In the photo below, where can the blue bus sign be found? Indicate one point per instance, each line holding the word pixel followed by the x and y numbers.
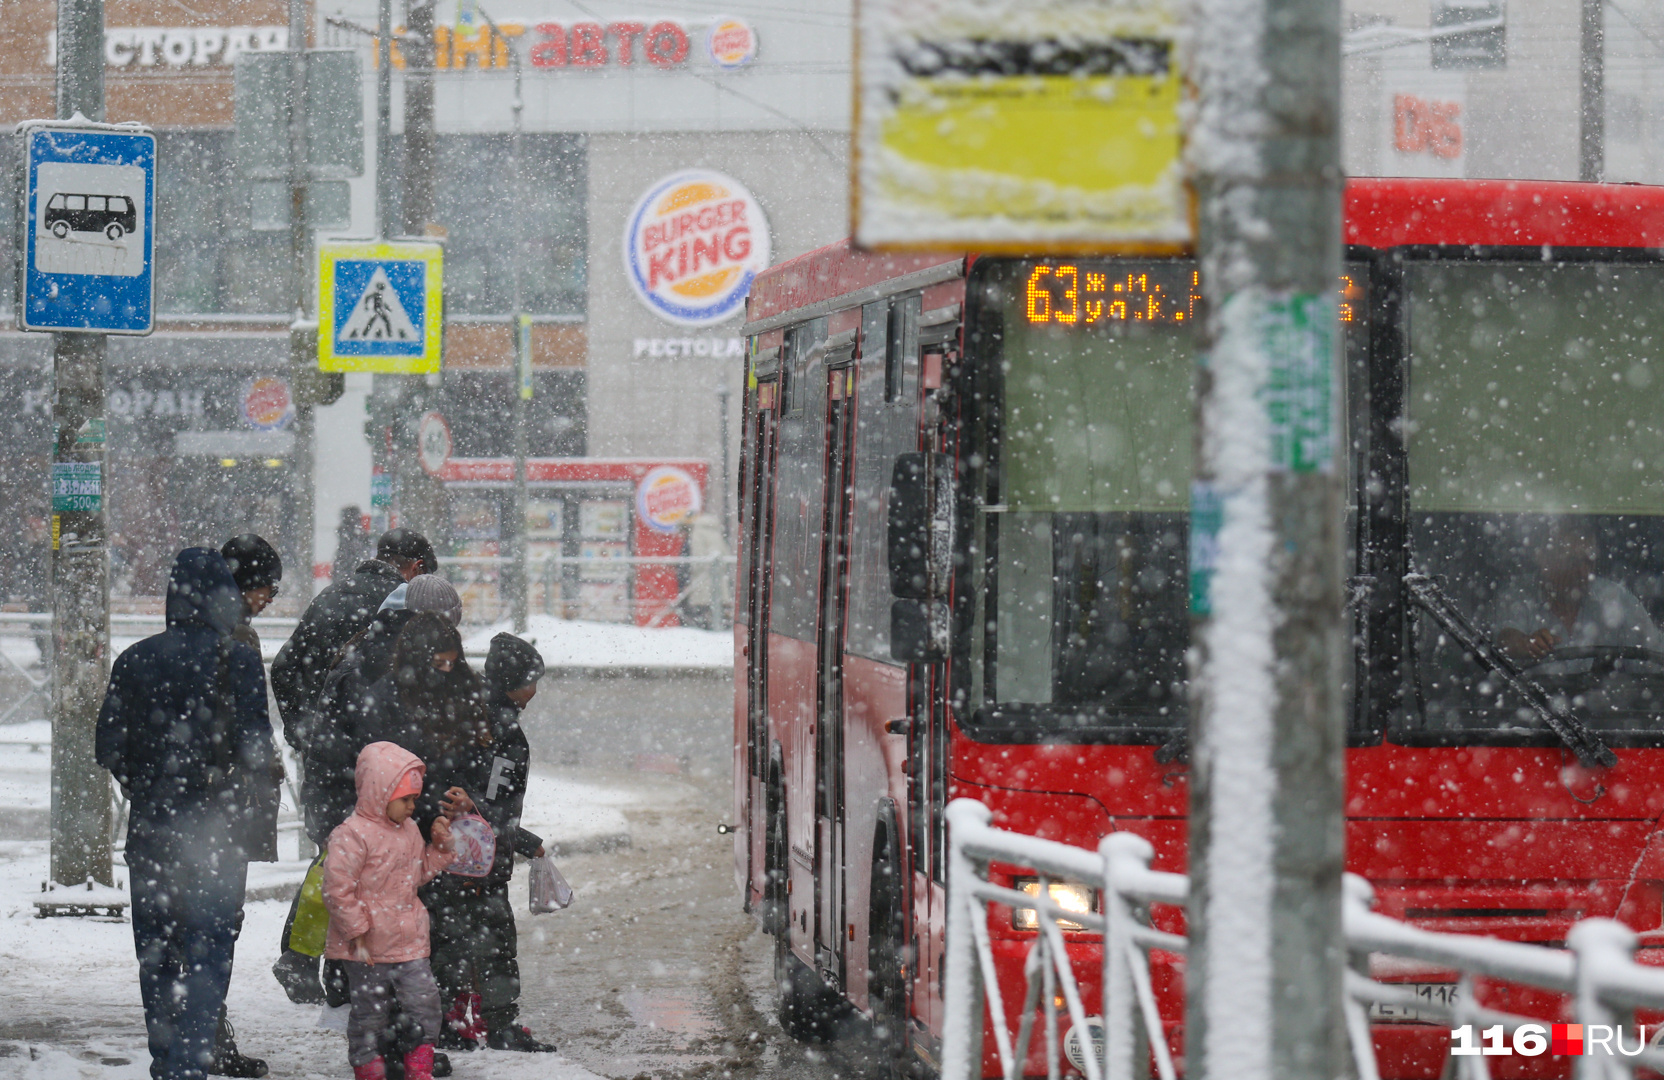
pixel 89 228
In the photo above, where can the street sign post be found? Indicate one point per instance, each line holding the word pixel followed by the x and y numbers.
pixel 89 227
pixel 380 307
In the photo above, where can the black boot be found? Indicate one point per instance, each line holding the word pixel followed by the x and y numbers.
pixel 228 1061
pixel 515 1037
pixel 297 973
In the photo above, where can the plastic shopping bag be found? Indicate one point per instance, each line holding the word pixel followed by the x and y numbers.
pixel 549 890
pixel 310 928
pixel 475 845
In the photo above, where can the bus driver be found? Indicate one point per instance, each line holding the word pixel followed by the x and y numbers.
pixel 1571 606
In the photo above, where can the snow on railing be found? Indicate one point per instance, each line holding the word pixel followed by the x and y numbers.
pixel 1121 869
pixel 1598 970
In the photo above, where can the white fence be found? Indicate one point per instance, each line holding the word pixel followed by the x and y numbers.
pixel 1598 971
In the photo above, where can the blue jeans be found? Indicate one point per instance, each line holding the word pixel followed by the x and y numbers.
pixel 187 901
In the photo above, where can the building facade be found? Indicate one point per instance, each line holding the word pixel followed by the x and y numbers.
pixel 617 98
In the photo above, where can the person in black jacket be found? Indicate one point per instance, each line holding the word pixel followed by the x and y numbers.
pixel 337 730
pixel 185 731
pixel 474 940
pixel 256 568
pixel 334 616
pixel 302 666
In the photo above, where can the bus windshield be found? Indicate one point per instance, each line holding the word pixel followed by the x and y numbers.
pixel 1084 401
pixel 1535 463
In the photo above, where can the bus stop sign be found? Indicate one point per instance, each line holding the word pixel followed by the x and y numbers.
pixel 380 307
pixel 89 233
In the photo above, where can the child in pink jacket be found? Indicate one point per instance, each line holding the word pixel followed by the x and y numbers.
pixel 377 925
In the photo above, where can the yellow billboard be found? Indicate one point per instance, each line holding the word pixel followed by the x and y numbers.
pixel 1052 127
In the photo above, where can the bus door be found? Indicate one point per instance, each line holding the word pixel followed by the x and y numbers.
pixel 928 744
pixel 830 905
pixel 759 540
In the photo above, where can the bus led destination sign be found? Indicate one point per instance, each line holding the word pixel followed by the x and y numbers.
pixel 1069 294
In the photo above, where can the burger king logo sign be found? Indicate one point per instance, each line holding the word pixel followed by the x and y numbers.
pixel 693 245
pixel 667 498
pixel 731 44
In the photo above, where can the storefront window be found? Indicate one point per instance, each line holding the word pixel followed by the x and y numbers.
pixel 486 217
pixel 209 259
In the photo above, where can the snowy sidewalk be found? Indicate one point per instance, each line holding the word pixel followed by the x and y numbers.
pixel 77 1013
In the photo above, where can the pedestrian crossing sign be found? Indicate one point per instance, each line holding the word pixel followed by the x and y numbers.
pixel 380 307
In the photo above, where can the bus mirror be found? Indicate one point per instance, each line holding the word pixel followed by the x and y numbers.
pixel 918 631
pixel 920 520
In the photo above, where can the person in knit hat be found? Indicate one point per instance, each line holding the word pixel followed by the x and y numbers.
pixel 474 939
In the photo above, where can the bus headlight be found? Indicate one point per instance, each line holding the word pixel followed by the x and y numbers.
pixel 1067 895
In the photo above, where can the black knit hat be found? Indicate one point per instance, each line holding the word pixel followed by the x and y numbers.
pixel 408 545
pixel 512 663
pixel 254 563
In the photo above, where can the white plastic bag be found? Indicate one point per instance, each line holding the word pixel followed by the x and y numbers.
pixel 549 890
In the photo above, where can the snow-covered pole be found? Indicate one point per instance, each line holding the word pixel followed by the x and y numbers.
pixel 1267 955
pixel 80 539
pixel 962 1003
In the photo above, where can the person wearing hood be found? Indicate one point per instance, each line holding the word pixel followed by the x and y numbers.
pixel 331 620
pixel 378 928
pixel 337 729
pixel 333 617
pixel 474 937
pixel 185 731
pixel 337 735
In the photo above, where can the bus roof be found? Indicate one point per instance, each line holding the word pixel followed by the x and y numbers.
pixel 1389 212
pixel 827 273
pixel 1381 212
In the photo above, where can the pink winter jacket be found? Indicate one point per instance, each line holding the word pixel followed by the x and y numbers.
pixel 374 867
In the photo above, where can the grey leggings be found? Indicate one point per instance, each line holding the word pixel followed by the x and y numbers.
pixel 374 988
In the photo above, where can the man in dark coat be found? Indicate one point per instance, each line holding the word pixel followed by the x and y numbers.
pixel 257 569
pixel 183 729
pixel 471 919
pixel 333 617
pixel 330 621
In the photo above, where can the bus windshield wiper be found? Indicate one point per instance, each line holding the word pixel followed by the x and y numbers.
pixel 1430 596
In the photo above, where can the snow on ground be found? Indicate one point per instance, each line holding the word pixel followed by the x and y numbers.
pixel 78 1014
pixel 576 643
pixel 574 816
pixel 25 767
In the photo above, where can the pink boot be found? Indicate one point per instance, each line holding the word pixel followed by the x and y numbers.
pixel 377 1069
pixel 418 1064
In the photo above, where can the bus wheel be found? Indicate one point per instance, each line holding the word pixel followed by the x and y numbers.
pixel 887 964
pixel 808 1009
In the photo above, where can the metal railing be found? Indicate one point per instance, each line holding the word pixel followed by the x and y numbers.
pixel 1597 971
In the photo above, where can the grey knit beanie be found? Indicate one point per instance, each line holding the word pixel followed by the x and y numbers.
pixel 430 592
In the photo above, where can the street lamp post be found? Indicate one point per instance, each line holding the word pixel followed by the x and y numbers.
pixel 521 340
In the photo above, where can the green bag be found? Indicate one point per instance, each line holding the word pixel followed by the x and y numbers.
pixel 310 930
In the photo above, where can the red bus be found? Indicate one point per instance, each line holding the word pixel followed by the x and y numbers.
pixel 964 572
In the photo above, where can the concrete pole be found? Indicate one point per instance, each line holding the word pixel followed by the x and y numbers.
pixel 1591 149
pixel 418 118
pixel 80 540
pixel 303 343
pixel 384 117
pixel 1266 961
